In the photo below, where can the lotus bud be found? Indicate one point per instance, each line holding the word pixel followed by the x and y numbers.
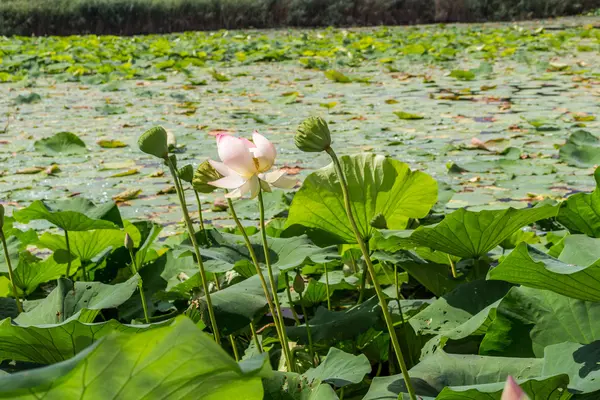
pixel 313 135
pixel 512 391
pixel 128 242
pixel 205 173
pixel 186 173
pixel 298 284
pixel 154 142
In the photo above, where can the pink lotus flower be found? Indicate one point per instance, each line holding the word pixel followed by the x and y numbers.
pixel 512 391
pixel 245 166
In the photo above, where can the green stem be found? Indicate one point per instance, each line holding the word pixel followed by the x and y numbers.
pixel 289 296
pixel 255 337
pixel 69 255
pixel 134 267
pixel 363 286
pixel 265 243
pixel 311 349
pixel 190 229
pixel 341 397
pixel 263 283
pixel 234 347
pixel 11 274
pixel 452 267
pixel 380 295
pixel 201 218
pixel 327 288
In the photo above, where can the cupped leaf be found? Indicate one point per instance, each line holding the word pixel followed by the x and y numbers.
pixel 467 310
pixel 528 266
pixel 340 369
pixel 85 245
pixel 62 143
pixel 442 370
pixel 546 388
pixel 121 366
pixel 76 214
pixel 48 344
pixel 377 185
pixel 32 271
pixel 68 299
pixel 293 386
pixel 471 234
pixel 528 320
pixel 154 142
pixel 580 213
pixel 582 149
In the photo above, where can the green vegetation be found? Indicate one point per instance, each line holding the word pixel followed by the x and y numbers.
pixel 463 199
pixel 64 17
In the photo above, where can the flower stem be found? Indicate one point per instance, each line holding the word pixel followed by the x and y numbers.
pixel 140 286
pixel 265 243
pixel 11 274
pixel 255 337
pixel 327 288
pixel 201 218
pixel 452 267
pixel 289 296
pixel 69 255
pixel 190 229
pixel 381 297
pixel 363 286
pixel 311 348
pixel 263 282
pixel 234 347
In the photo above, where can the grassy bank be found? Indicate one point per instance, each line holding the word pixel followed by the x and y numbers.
pixel 62 17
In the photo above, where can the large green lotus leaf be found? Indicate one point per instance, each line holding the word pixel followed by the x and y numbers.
pixel 581 212
pixel 582 149
pixel 49 344
pixel 238 305
pixel 442 370
pixel 528 266
pixel 77 214
pixel 175 362
pixel 578 361
pixel 471 234
pixel 542 388
pixel 68 299
pixel 340 368
pixel 338 325
pixel 61 144
pixel 377 185
pixel 528 320
pixel 466 311
pixel 32 272
pixel 285 253
pixel 85 245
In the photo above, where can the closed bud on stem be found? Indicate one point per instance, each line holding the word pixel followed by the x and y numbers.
pixel 298 283
pixel 313 135
pixel 128 242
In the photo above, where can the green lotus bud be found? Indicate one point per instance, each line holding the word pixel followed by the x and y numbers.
pixel 154 142
pixel 298 284
pixel 1 216
pixel 128 242
pixel 186 173
pixel 313 135
pixel 205 173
